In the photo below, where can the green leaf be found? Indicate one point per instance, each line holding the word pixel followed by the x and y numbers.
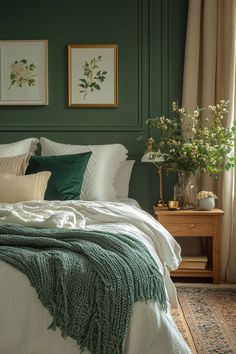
pixel 24 61
pixel 12 76
pixel 104 72
pixel 82 85
pixel 15 62
pixel 97 87
pixel 227 166
pixel 87 72
pixel 101 78
pixel 83 80
pixel 100 57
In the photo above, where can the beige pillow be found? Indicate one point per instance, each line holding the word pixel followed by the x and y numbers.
pixel 15 165
pixel 15 189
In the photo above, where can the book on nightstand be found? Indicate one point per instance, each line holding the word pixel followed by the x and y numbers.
pixel 198 262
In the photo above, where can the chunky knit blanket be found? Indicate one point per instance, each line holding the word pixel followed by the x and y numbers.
pixel 88 281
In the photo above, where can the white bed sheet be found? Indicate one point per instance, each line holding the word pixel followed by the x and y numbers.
pixel 129 201
pixel 23 319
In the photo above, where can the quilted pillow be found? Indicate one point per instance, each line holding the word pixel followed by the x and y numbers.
pixel 101 170
pixel 22 188
pixel 15 165
pixel 67 174
pixel 19 148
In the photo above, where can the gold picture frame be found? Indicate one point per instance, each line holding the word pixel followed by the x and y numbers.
pixel 24 72
pixel 92 75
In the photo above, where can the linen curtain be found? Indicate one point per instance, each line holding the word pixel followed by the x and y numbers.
pixel 210 75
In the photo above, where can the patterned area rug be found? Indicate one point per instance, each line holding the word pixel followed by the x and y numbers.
pixel 181 323
pixel 210 315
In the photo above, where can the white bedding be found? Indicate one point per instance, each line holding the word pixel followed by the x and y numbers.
pixel 23 319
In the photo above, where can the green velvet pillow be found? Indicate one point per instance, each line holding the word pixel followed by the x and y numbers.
pixel 67 174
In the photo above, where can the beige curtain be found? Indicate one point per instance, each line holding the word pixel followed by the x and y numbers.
pixel 210 75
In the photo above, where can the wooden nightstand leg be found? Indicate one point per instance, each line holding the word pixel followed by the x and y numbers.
pixel 216 250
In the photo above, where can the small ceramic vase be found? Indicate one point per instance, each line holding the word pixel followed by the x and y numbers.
pixel 207 203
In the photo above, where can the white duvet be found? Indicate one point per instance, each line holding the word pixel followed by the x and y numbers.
pixel 24 320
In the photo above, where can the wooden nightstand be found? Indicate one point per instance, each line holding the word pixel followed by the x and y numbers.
pixel 196 223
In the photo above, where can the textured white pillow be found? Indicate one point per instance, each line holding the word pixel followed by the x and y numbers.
pixel 19 148
pixel 101 169
pixel 16 189
pixel 121 182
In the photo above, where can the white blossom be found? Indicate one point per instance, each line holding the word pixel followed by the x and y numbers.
pixel 206 194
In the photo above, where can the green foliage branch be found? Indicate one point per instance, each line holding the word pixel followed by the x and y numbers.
pixel 92 78
pixel 189 143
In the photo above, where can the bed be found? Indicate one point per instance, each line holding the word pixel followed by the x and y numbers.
pixel 25 322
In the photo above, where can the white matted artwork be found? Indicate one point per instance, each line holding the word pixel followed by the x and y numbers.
pixel 93 75
pixel 24 72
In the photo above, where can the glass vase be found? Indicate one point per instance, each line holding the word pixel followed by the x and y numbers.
pixel 185 191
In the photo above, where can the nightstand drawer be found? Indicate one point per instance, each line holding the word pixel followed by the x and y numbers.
pixel 187 226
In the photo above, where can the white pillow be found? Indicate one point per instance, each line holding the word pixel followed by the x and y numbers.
pixel 101 169
pixel 121 182
pixel 19 148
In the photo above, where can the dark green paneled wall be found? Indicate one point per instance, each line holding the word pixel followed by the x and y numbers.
pixel 151 37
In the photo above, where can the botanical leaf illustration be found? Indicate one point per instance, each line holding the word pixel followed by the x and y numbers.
pixel 22 73
pixel 93 77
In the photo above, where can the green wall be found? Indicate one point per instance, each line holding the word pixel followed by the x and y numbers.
pixel 151 37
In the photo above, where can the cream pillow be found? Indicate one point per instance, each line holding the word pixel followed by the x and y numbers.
pixel 15 165
pixel 22 188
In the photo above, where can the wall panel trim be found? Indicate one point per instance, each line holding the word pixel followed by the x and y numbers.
pixel 143 89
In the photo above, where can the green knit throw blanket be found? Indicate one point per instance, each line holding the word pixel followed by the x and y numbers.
pixel 88 280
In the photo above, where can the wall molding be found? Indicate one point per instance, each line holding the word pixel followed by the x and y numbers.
pixel 68 128
pixel 143 46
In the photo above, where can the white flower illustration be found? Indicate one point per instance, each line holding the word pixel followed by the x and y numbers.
pixel 22 74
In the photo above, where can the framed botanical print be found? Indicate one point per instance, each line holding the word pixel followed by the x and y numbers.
pixel 93 75
pixel 24 72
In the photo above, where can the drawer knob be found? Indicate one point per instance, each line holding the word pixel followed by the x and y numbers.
pixel 191 226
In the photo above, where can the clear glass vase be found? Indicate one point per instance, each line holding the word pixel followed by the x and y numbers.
pixel 185 191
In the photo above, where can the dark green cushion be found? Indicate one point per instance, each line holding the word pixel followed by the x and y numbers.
pixel 67 174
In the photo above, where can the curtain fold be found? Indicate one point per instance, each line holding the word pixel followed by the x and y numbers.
pixel 210 75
